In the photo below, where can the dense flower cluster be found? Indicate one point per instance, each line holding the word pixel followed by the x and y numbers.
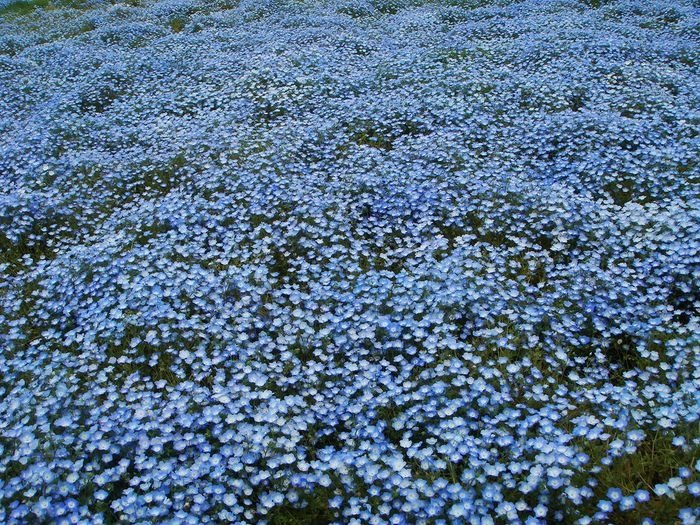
pixel 364 261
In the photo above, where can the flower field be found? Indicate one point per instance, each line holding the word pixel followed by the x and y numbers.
pixel 302 262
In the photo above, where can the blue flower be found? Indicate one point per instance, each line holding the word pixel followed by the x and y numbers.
pixel 694 489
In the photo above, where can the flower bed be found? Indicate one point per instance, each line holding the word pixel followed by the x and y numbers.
pixel 383 261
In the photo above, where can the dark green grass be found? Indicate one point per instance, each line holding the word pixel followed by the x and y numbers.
pixel 656 461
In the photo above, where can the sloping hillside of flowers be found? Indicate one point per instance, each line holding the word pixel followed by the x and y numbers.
pixel 349 261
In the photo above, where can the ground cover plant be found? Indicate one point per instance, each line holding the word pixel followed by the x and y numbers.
pixel 349 261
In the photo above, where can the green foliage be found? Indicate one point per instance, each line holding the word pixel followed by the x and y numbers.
pixel 655 461
pixel 177 24
pixel 23 7
pixel 315 511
